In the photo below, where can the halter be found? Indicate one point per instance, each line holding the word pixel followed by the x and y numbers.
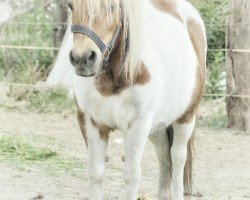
pixel 106 50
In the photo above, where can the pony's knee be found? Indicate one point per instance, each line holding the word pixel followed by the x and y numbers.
pixel 96 174
pixel 178 155
pixel 157 133
pixel 132 176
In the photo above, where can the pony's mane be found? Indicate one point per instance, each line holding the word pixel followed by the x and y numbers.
pixel 88 10
pixel 132 11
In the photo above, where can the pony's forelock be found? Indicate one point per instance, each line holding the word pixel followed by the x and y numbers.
pixel 88 10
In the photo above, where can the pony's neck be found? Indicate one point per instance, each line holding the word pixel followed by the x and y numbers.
pixel 114 79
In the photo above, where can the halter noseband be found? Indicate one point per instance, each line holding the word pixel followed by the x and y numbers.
pixel 106 50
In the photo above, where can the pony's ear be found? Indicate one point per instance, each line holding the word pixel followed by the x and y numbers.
pixel 113 7
pixel 70 5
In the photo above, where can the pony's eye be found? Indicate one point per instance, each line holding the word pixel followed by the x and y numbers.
pixel 70 6
pixel 113 7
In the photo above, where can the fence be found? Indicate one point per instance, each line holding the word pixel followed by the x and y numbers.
pixel 5 46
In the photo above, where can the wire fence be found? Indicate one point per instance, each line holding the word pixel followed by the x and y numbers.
pixel 52 48
pixel 56 48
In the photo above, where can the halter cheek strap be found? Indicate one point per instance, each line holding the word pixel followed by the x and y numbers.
pixel 106 50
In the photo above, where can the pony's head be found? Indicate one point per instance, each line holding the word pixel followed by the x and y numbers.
pixel 101 17
pixel 95 24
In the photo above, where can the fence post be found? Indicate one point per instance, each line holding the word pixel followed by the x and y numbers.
pixel 60 17
pixel 238 65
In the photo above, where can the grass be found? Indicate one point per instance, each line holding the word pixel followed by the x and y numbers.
pixel 216 116
pixel 41 100
pixel 216 121
pixel 21 150
pixel 53 100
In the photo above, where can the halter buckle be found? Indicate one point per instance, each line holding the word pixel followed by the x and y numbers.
pixel 106 54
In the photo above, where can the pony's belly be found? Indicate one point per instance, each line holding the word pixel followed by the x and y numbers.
pixel 173 63
pixel 176 94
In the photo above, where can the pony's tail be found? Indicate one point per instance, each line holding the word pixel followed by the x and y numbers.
pixel 187 176
pixel 188 170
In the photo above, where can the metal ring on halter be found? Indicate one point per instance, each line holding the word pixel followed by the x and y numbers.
pixel 106 54
pixel 105 59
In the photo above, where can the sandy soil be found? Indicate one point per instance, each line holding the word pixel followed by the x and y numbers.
pixel 221 168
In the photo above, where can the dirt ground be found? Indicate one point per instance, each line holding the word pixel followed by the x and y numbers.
pixel 221 168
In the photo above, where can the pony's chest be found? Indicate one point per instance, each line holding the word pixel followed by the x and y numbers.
pixel 113 111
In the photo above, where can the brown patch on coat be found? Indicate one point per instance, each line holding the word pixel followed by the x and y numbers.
pixel 82 122
pixel 103 130
pixel 109 83
pixel 200 46
pixel 169 7
pixel 113 81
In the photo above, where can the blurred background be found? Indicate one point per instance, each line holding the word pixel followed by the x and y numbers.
pixel 42 153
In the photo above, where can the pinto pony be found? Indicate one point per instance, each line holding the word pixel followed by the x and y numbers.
pixel 140 67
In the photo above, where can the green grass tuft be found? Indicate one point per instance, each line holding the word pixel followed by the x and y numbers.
pixel 52 100
pixel 21 150
pixel 218 120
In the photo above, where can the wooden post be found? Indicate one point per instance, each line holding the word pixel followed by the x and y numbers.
pixel 238 65
pixel 60 18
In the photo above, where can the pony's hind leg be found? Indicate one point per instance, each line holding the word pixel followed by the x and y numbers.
pixel 159 136
pixel 182 135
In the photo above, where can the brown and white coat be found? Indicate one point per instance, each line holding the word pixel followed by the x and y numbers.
pixel 165 90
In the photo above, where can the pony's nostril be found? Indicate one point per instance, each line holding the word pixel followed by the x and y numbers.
pixel 90 57
pixel 74 60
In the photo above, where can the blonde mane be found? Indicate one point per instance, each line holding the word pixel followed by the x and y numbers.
pixel 88 10
pixel 133 13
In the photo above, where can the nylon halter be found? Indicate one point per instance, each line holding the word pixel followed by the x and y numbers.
pixel 106 50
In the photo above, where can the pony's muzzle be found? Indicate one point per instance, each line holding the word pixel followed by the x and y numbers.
pixel 85 64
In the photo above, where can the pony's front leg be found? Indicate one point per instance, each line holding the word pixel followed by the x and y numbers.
pixel 135 141
pixel 97 148
pixel 182 134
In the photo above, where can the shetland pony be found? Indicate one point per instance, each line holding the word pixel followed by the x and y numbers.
pixel 140 68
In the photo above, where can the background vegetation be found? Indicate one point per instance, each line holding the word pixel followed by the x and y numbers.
pixel 33 28
pixel 214 14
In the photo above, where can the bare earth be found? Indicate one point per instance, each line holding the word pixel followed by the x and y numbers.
pixel 221 168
